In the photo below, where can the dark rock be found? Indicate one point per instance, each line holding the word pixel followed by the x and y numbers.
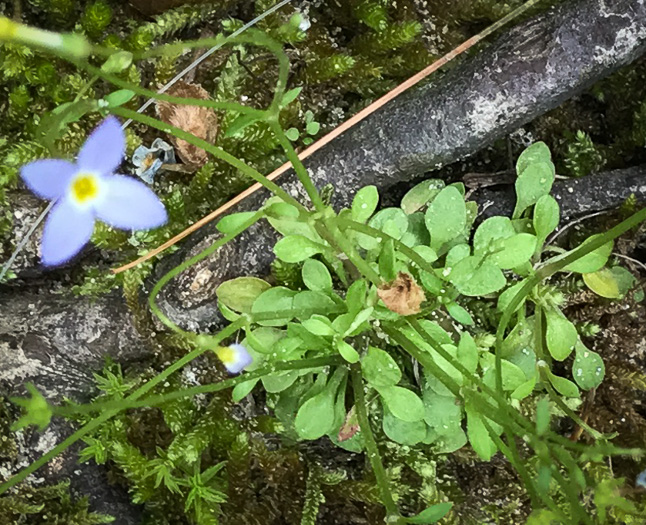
pixel 56 341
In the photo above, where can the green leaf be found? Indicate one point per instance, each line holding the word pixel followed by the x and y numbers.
pixel 534 182
pixel 603 283
pixel 588 369
pixel 119 97
pixel 625 279
pixel 315 417
pixel 419 195
pixel 279 381
pixel 242 390
pixel 392 221
pixel 292 134
pixel 441 411
pixel 446 217
pixel 234 221
pixel 307 303
pixel 403 403
pixel 417 235
pixel 275 299
pixel 365 203
pixel 474 276
pixel 117 62
pixel 319 327
pixel 297 248
pixel 290 96
pixel 542 415
pixel 563 386
pixel 359 320
pixel 263 339
pixel 468 352
pixel 524 390
pixel 505 298
pixel 593 261
pixel 560 335
pixel 491 230
pixel 546 217
pixel 387 261
pixel 478 436
pixel 356 296
pixel 347 352
pixel 37 410
pixel 432 514
pixel 534 154
pixel 379 368
pixel 542 517
pixel 240 123
pixel 450 440
pixel 316 276
pixel 512 376
pixel 240 294
pixel 460 314
pixel 513 251
pixel 456 254
pixel 404 432
pixel 313 128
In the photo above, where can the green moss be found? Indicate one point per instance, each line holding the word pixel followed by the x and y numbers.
pixel 52 504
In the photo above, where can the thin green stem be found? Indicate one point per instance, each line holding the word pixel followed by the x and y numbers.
pixel 102 418
pixel 378 234
pixel 348 248
pixel 125 404
pixel 299 168
pixel 371 445
pixel 566 409
pixel 124 84
pixel 86 88
pixel 550 268
pixel 187 264
pixel 213 150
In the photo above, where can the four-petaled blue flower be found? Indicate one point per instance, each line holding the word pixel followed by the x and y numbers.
pixel 90 190
pixel 235 357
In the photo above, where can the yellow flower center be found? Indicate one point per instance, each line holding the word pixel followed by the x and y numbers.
pixel 226 354
pixel 85 188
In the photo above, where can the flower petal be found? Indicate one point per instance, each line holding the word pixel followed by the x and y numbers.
pixel 234 357
pixel 48 178
pixel 129 204
pixel 104 149
pixel 67 229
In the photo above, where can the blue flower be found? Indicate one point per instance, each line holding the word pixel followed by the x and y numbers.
pixel 88 190
pixel 149 160
pixel 235 357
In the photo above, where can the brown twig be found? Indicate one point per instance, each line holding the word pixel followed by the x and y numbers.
pixel 323 141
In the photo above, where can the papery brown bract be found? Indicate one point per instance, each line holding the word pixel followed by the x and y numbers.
pixel 199 121
pixel 403 295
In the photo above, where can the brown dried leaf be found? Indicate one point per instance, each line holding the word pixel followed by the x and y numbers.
pixel 350 426
pixel 200 121
pixel 403 296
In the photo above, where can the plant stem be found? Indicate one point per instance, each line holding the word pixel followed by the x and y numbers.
pixel 186 264
pixel 213 150
pixel 150 401
pixel 550 268
pixel 102 418
pixel 299 168
pixel 373 232
pixel 350 251
pixel 371 445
